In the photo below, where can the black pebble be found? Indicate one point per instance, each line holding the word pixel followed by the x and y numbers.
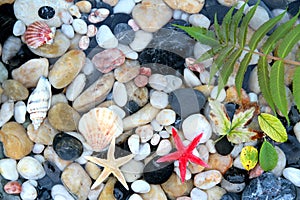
pixel 46 12
pixel 236 175
pixel 223 146
pixel 157 173
pixel 121 193
pixel 67 147
pixel 231 108
pixel 231 196
pixel 124 33
pixel 131 107
pixel 7 21
pixel 114 19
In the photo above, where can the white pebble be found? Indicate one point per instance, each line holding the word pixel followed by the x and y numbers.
pixel 135 197
pixel 8 169
pixel 134 143
pixel 253 97
pixel 119 111
pixel 68 30
pixel 124 6
pixel 20 112
pixel 259 18
pixel 91 30
pixel 30 168
pixel 74 11
pixel 210 144
pixel 6 112
pixel 197 194
pixel 164 147
pixel 292 174
pixel 40 158
pixel 140 186
pixel 158 81
pixel 19 28
pixel 237 163
pixel 76 87
pixel 188 174
pixel 58 98
pixel 164 134
pixel 84 42
pixel 173 83
pixel 66 17
pixel 277 171
pixel 219 97
pixel 88 67
pixel 190 78
pixel 38 148
pixel 61 192
pixel 204 77
pixel 166 117
pixel 141 40
pixel 155 139
pixel 240 3
pixel 119 94
pixel 228 3
pixel 156 126
pixel 129 53
pixel 297 130
pixel 105 38
pixel 159 99
pixel 199 20
pixel 145 132
pixel 79 26
pixel 253 81
pixel 177 14
pixel 185 16
pixel 208 179
pixel 144 151
pixel 28 191
pixel 236 150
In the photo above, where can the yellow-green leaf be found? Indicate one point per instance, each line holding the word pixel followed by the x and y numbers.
pixel 272 127
pixel 249 157
pixel 296 87
pixel 268 156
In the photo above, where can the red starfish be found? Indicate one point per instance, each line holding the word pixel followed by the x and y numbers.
pixel 183 154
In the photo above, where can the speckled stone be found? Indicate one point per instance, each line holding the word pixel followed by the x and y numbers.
pixel 15 90
pixel 219 162
pixel 127 71
pixel 30 168
pixel 208 179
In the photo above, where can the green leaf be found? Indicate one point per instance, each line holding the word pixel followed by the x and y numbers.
pixel 218 30
pixel 288 42
pixel 226 71
pixel 280 32
pixel 296 87
pixel 272 127
pixel 244 26
pixel 268 156
pixel 219 117
pixel 263 30
pixel 209 54
pixel 226 24
pixel 237 17
pixel 242 117
pixel 241 72
pixel 277 87
pixel 200 34
pixel 240 135
pixel 249 157
pixel 263 81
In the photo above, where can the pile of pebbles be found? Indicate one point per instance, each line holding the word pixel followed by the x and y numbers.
pixel 126 55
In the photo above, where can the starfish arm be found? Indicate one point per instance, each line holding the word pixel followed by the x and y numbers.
pixel 97 161
pixel 182 168
pixel 197 160
pixel 106 172
pixel 118 174
pixel 111 149
pixel 194 143
pixel 178 143
pixel 121 161
pixel 170 157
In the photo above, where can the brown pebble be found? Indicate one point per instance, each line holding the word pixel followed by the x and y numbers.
pixel 219 162
pixel 15 90
pixel 141 80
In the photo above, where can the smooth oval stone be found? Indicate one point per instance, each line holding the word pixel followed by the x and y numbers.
pixel 67 147
pixel 132 170
pixel 157 173
pixel 3 72
pixel 105 38
pixel 28 190
pixel 223 146
pixel 76 87
pixel 141 40
pixel 158 81
pixel 66 68
pixel 119 94
pixel 60 45
pixel 124 33
pixel 109 59
pixel 189 6
pixel 208 179
pixel 236 175
pixel 140 186
pixel 166 117
pixel 131 107
pixel 292 174
pixel 30 168
pixel 8 169
pixel 186 101
pixel 15 90
pixel 127 71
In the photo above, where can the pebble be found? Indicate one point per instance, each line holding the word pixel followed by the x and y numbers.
pixel 208 179
pixel 6 112
pixel 218 96
pixel 93 170
pixel 91 30
pixel 232 187
pixel 8 169
pixel 134 143
pixel 210 144
pixel 157 173
pixel 124 33
pixel 155 139
pixel 43 135
pixel 132 170
pixel 105 38
pixel 190 78
pixel 81 187
pixel 108 190
pixel 88 67
pixel 68 30
pixel 140 186
pixel 173 83
pixel 20 112
pixel 58 98
pixel 13 187
pixel 199 50
pixel 111 2
pixel 15 90
pixel 129 53
pixel 79 26
pixel 74 11
pixel 69 120
pixel 197 194
pixel 19 28
pixel 164 147
pixel 76 87
pixel 141 40
pixel 3 72
pixel 158 81
pixel 29 73
pixel 59 192
pixel 253 81
pixel 219 162
pixel 259 18
pixel 215 193
pixel 277 171
pixel 188 174
pixel 66 17
pixel 224 147
pixel 156 192
pixel 119 111
pixel 52 157
pixel 296 130
pixel 30 168
pixel 199 20
pixel 127 71
pixel 84 6
pixel 194 125
pixel 135 197
pixel 144 132
pixel 38 148
pixel 156 18
pixel 189 6
pixel 293 175
pixel 28 191
pixel 173 187
pixel 15 140
pixel 144 151
pixel 119 94
pixel 228 3
pixel 141 80
pixel 58 48
pixel 166 117
pixel 109 59
pixel 124 6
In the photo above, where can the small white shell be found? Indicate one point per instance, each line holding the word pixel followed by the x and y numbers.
pixel 39 102
pixel 99 126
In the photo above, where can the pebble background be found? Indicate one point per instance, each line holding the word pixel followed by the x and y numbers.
pixel 126 55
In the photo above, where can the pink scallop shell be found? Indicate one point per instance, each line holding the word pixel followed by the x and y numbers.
pixel 39 33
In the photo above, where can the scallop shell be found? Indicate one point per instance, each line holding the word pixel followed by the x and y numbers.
pixel 39 102
pixel 99 126
pixel 39 33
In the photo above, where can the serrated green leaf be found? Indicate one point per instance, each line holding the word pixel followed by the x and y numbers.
pixel 296 87
pixel 242 117
pixel 241 72
pixel 277 87
pixel 237 17
pixel 268 156
pixel 209 54
pixel 249 157
pixel 226 24
pixel 263 30
pixel 244 26
pixel 240 135
pixel 272 127
pixel 219 117
pixel 227 71
pixel 288 42
pixel 216 66
pixel 200 34
pixel 279 33
pixel 218 29
pixel 263 81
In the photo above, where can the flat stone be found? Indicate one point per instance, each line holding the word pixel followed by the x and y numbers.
pixel 134 143
pixel 59 191
pixel 124 6
pixel 157 12
pixel 129 53
pixel 20 112
pixel 277 171
pixel 190 78
pixel 144 132
pixel 159 99
pixel 208 179
pixel 3 72
pixel 141 80
pixel 30 168
pixel 219 162
pixel 29 73
pixel 15 90
pixel 105 38
pixel 28 190
pixel 8 169
pixel 58 48
pixel 228 3
pixel 19 28
pixel 215 192
pixel 109 59
pixel 166 117
pixel 158 81
pixel 141 40
pixel 84 6
pixel 156 192
pixel 68 30
pixel 164 147
pixel 232 187
pixel 140 186
pixel 199 20
pixel 144 151
pixel 127 71
pixel 196 193
pixel 292 174
pixel 6 112
pixel 173 83
pixel 76 87
pixel 119 94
